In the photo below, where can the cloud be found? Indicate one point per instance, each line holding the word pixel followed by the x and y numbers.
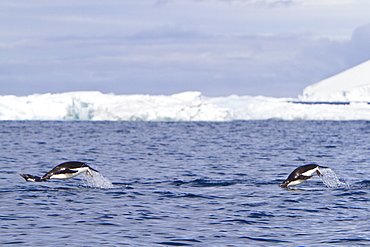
pixel 269 3
pixel 170 59
pixel 360 43
pixel 167 57
pixel 327 57
pixel 219 47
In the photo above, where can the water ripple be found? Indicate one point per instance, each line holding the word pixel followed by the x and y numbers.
pixel 184 184
pixel 266 240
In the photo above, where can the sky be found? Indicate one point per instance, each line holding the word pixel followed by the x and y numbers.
pixel 218 47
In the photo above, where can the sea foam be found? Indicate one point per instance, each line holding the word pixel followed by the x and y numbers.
pixel 330 179
pixel 98 181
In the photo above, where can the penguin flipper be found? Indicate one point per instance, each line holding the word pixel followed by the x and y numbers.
pixel 67 170
pixel 302 177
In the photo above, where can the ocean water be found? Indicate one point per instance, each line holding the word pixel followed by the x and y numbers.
pixel 185 184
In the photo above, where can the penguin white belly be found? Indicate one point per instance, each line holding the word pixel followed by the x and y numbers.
pixel 309 173
pixel 68 174
pixel 296 182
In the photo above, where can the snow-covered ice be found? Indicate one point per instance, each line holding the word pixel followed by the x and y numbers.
pixel 345 96
pixel 187 106
pixel 352 85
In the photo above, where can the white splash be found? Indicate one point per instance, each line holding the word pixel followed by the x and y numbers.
pixel 330 179
pixel 98 181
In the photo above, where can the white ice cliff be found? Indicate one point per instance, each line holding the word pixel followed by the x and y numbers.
pixel 187 106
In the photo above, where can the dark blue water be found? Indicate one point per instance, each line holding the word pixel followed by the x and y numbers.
pixel 185 184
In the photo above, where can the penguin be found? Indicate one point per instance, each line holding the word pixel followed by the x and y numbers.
pixel 301 174
pixel 31 178
pixel 62 171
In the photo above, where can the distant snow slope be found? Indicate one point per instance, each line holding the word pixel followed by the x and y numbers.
pixel 186 106
pixel 350 85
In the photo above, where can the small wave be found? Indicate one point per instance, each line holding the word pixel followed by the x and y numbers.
pixel 260 215
pixel 364 183
pixel 349 240
pixel 14 242
pixel 266 240
pixel 242 221
pixel 179 242
pixel 191 195
pixel 254 204
pixel 170 243
pixel 352 193
pixel 208 183
pixel 188 240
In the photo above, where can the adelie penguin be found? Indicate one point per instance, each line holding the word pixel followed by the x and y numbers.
pixel 63 171
pixel 301 174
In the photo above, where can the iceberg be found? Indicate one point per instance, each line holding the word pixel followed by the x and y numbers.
pixel 352 85
pixel 345 96
pixel 186 106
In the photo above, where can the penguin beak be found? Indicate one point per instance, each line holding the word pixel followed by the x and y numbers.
pixel 25 176
pixel 284 184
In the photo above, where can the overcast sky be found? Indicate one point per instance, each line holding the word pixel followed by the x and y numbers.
pixel 218 47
